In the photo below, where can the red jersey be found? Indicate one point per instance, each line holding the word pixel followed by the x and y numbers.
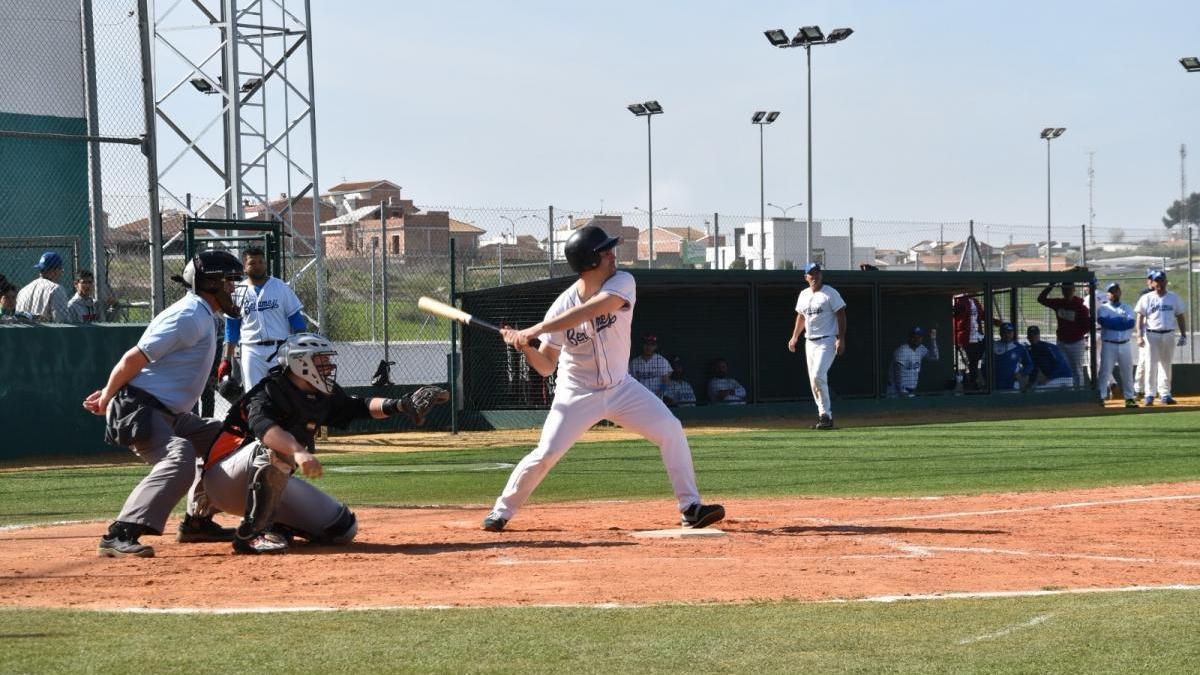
pixel 1074 319
pixel 968 312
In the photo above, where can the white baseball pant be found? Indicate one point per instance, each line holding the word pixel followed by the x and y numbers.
pixel 1076 353
pixel 1120 356
pixel 573 412
pixel 256 363
pixel 1141 374
pixel 819 354
pixel 1162 354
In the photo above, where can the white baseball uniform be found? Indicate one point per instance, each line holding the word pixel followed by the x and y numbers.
pixel 906 367
pixel 820 310
pixel 1159 317
pixel 650 371
pixel 1116 346
pixel 263 325
pixel 594 384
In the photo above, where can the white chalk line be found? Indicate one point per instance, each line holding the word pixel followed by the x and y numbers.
pixel 1040 554
pixel 28 526
pixel 1031 509
pixel 1007 631
pixel 886 599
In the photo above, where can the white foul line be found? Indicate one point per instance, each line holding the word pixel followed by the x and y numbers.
pixel 1005 631
pixel 1029 509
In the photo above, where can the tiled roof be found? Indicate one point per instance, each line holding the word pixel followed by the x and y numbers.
pixel 359 186
pixel 459 227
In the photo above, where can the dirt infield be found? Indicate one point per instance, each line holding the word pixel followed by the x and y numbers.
pixel 586 553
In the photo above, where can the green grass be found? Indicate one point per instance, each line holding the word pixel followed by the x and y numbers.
pixel 1101 633
pixel 1110 633
pixel 966 458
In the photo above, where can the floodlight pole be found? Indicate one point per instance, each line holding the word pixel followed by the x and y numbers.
pixel 1049 263
pixel 808 237
pixel 762 202
pixel 650 182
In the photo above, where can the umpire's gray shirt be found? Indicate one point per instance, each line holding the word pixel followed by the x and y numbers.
pixel 181 343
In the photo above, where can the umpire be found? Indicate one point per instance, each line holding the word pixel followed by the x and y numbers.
pixel 149 395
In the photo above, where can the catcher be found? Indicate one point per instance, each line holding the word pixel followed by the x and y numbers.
pixel 269 433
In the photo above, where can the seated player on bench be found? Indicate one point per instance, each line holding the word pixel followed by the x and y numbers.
pixel 269 432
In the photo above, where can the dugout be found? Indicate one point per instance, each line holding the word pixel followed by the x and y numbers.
pixel 746 318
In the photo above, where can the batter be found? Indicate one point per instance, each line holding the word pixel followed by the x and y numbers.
pixel 585 336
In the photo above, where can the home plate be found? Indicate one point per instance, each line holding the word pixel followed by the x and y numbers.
pixel 680 533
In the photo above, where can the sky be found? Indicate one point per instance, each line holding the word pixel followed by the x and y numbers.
pixel 930 111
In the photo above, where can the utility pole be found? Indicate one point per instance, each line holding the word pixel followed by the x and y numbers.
pixel 1091 197
pixel 1183 204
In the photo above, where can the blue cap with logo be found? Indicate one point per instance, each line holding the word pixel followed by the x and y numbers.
pixel 812 267
pixel 49 261
pixel 1157 275
pixel 1007 327
pixel 916 330
pixel 1114 286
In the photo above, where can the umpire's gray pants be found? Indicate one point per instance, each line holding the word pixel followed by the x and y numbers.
pixel 170 449
pixel 302 507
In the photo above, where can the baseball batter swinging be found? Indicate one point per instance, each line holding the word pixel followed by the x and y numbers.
pixel 269 432
pixel 821 313
pixel 585 336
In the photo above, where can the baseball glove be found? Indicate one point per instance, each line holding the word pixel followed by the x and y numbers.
pixel 417 404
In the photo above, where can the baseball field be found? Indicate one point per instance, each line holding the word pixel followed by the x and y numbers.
pixel 1063 544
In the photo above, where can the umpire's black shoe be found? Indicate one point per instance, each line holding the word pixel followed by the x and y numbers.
pixel 702 515
pixel 494 523
pixel 263 544
pixel 195 529
pixel 824 422
pixel 117 547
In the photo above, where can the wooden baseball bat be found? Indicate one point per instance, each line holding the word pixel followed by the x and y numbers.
pixel 437 308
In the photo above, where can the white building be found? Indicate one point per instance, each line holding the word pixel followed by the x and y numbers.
pixel 785 242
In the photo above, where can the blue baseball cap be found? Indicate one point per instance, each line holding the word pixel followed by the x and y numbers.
pixel 812 267
pixel 49 261
pixel 1150 272
pixel 1007 327
pixel 916 330
pixel 1157 275
pixel 1114 286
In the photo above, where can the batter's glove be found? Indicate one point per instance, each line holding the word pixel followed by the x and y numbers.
pixel 417 404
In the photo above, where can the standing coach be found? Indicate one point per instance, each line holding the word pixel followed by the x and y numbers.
pixel 821 313
pixel 270 312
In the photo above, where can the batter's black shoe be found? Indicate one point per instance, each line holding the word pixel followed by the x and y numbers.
pixel 1130 403
pixel 263 544
pixel 494 523
pixel 116 547
pixel 702 515
pixel 194 529
pixel 825 422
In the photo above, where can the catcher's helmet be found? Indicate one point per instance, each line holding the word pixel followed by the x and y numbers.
pixel 297 355
pixel 584 247
pixel 207 269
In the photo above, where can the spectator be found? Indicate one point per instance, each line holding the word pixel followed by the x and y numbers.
pixel 676 390
pixel 82 308
pixel 1053 371
pixel 8 297
pixel 649 367
pixel 1012 361
pixel 1159 315
pixel 43 298
pixel 1116 321
pixel 905 372
pixel 1074 323
pixel 968 334
pixel 723 389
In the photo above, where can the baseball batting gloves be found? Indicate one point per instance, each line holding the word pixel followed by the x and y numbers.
pixel 417 404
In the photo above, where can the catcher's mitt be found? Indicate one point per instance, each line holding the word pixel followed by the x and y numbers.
pixel 417 404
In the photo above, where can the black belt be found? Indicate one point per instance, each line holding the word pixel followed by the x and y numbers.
pixel 266 343
pixel 821 338
pixel 1116 342
pixel 1167 330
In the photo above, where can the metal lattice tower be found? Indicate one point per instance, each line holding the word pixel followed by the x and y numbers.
pixel 247 65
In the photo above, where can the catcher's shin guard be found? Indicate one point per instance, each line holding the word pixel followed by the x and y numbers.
pixel 268 478
pixel 342 530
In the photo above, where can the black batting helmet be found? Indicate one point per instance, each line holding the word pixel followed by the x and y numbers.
pixel 208 268
pixel 583 248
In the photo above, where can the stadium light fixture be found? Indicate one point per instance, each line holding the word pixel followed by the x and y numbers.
pixel 761 119
pixel 1049 134
pixel 202 85
pixel 806 38
pixel 1190 64
pixel 250 85
pixel 649 109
